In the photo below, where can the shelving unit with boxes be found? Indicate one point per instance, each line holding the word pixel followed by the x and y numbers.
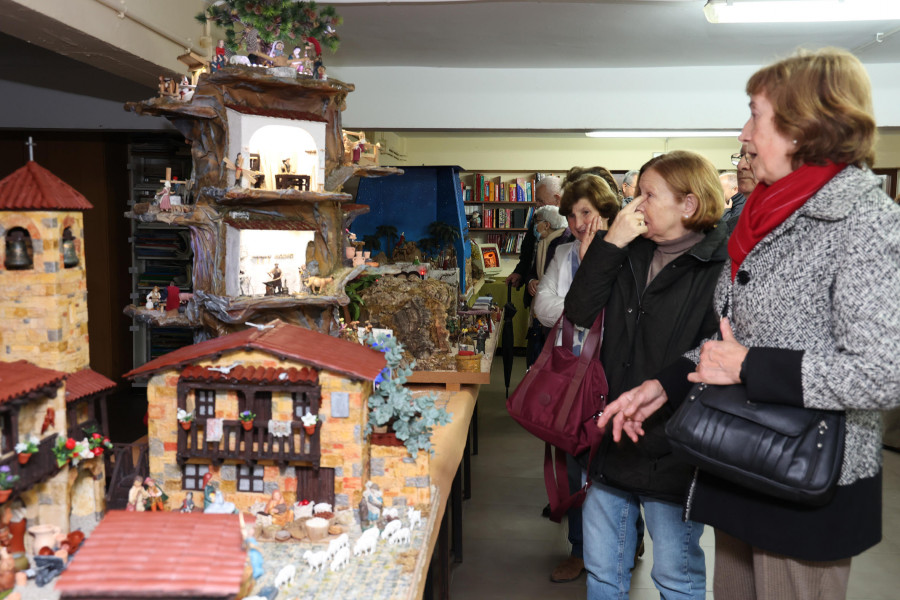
pixel 160 252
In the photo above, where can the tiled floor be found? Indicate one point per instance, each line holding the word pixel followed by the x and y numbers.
pixel 509 550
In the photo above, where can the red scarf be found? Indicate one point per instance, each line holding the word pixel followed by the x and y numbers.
pixel 770 205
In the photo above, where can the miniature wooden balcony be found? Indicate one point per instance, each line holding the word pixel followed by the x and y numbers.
pixel 39 468
pixel 249 446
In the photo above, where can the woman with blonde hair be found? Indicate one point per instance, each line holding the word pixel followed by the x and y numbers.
pixel 654 273
pixel 810 318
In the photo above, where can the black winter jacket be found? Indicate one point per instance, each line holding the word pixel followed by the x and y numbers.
pixel 646 330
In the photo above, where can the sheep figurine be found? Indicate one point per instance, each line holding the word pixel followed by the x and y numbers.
pixel 401 536
pixel 340 559
pixel 390 528
pixel 285 576
pixel 414 517
pixel 315 560
pixel 366 542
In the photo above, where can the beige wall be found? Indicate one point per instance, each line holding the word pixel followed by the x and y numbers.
pixel 485 151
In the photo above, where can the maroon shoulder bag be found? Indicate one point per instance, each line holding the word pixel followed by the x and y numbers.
pixel 559 400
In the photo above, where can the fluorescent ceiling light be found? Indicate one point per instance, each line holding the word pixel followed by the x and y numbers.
pixel 661 133
pixel 800 11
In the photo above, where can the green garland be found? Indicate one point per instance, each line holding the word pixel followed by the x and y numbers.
pixel 286 21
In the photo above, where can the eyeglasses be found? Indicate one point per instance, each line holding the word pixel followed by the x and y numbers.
pixel 736 158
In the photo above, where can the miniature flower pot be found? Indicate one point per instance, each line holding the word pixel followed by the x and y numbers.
pixel 349 251
pixel 247 425
pixel 44 536
pixel 367 254
pixel 24 457
pixel 4 495
pixel 310 429
pixel 186 425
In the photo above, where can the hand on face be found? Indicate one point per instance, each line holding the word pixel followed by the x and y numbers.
pixel 596 224
pixel 629 224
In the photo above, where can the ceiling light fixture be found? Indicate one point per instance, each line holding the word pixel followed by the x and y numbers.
pixel 660 133
pixel 800 11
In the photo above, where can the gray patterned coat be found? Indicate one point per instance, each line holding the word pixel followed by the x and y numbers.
pixel 827 282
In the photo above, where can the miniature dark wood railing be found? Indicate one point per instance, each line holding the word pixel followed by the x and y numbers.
pixel 39 468
pixel 249 446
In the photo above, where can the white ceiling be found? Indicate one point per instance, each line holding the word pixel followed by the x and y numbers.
pixel 605 33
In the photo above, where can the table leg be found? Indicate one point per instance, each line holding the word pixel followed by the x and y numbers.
pixel 467 469
pixel 474 427
pixel 456 517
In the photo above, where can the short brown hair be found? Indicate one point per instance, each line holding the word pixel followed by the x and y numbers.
pixel 823 100
pixel 576 173
pixel 686 173
pixel 595 189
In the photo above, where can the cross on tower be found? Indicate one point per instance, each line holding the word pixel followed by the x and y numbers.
pixel 31 144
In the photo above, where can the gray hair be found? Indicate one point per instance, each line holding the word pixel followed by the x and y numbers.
pixel 630 177
pixel 551 215
pixel 553 182
pixel 729 177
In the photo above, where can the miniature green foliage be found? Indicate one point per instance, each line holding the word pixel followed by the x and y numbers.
pixel 411 417
pixel 286 21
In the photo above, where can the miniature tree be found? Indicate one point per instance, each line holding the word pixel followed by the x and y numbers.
pixel 389 232
pixel 392 403
pixel 271 21
pixel 442 234
pixel 372 242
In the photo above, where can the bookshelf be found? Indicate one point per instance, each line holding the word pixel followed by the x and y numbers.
pixel 504 202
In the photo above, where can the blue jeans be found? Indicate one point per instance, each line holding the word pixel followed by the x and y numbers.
pixel 610 519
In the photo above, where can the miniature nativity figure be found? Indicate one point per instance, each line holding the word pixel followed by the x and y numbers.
pixel 219 61
pixel 187 505
pixel 153 298
pixel 137 496
pixel 274 286
pixel 156 498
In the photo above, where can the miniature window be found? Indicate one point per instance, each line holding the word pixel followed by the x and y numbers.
pixel 19 250
pixel 306 401
pixel 250 479
pixel 205 401
pixel 192 477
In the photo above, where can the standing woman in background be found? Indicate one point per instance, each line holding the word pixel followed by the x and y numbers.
pixel 654 272
pixel 812 305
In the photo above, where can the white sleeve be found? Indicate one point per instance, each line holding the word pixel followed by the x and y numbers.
pixel 549 301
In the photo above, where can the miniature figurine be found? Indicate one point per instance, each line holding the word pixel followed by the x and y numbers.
pixel 137 496
pixel 163 197
pixel 155 496
pixel 274 286
pixel 320 73
pixel 242 177
pixel 276 504
pixel 7 570
pixel 153 298
pixel 187 504
pixel 173 300
pixel 286 165
pixel 220 507
pixel 253 553
pixel 219 61
pixel 209 491
pixel 277 49
pixel 374 501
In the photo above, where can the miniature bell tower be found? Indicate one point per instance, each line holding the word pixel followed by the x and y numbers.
pixel 43 291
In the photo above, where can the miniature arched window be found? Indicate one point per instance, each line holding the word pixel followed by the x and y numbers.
pixel 19 250
pixel 70 254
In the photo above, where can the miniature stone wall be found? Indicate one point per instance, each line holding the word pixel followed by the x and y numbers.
pixel 404 481
pixel 44 309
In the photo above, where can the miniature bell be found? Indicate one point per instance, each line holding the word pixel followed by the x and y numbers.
pixel 16 252
pixel 70 256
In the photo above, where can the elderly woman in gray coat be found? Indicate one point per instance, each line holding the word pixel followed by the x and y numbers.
pixel 810 312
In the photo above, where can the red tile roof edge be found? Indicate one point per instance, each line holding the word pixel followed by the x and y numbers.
pixel 285 341
pixel 292 375
pixel 86 382
pixel 22 377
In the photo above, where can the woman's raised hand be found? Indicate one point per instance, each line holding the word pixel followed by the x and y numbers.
pixel 720 360
pixel 594 225
pixel 628 224
pixel 629 411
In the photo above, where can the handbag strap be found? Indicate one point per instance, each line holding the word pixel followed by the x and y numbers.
pixel 590 350
pixel 557 484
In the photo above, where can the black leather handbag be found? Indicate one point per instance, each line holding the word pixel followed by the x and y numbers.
pixel 788 452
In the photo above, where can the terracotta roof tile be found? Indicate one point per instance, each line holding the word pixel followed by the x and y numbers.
pixel 250 374
pixel 21 377
pixel 155 555
pixel 266 224
pixel 284 341
pixel 33 187
pixel 86 382
pixel 295 115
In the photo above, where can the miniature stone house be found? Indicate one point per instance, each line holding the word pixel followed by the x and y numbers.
pixel 49 389
pixel 280 373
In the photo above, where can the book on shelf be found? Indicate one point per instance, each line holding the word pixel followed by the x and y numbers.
pixel 485 189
